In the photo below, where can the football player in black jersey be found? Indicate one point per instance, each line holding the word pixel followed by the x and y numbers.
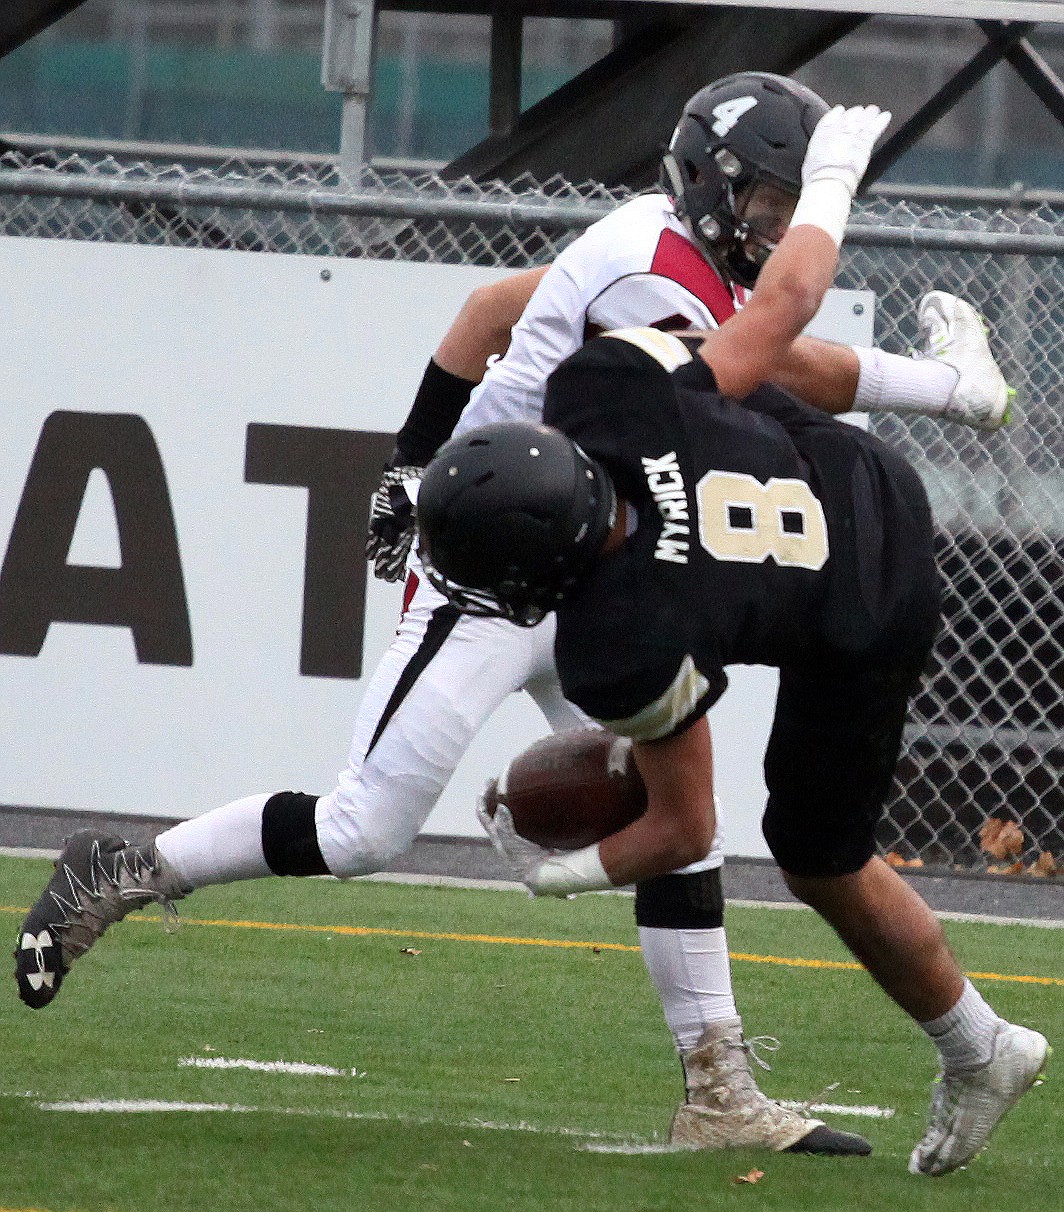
pixel 680 515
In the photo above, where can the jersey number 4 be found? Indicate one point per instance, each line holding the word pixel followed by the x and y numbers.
pixel 739 518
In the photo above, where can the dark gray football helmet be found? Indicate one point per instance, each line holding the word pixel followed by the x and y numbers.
pixel 745 129
pixel 510 516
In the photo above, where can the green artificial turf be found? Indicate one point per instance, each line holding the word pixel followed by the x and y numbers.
pixel 477 1072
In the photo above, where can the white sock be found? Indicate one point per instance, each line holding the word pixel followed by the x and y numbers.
pixel 218 847
pixel 964 1035
pixel 890 383
pixel 692 974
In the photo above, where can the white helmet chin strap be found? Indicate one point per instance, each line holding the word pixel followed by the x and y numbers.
pixel 672 171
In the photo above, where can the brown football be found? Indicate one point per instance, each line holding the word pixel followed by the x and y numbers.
pixel 571 789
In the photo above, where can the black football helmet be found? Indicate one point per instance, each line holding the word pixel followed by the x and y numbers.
pixel 745 129
pixel 510 516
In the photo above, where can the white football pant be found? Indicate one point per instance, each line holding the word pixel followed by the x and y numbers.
pixel 382 800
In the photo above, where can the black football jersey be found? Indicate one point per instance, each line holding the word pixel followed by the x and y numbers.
pixel 762 532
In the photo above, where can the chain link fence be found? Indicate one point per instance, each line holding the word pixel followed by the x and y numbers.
pixel 979 785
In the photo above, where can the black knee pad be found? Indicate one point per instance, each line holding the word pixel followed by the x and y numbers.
pixel 289 837
pixel 681 902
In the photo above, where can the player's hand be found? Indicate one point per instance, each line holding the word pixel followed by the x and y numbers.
pixel 392 523
pixel 842 143
pixel 523 856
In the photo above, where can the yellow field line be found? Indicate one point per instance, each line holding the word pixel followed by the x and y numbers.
pixel 440 936
pixel 426 935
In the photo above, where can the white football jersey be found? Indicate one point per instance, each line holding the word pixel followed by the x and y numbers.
pixel 636 267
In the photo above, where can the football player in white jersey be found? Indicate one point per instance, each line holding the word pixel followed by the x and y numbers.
pixel 685 259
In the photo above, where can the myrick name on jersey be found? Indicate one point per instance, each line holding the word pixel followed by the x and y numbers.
pixel 667 488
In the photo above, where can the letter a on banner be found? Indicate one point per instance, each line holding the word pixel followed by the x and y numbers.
pixel 146 593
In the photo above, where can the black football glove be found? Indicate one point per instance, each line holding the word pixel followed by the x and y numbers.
pixel 392 523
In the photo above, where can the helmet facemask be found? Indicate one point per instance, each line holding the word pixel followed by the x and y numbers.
pixel 763 211
pixel 733 166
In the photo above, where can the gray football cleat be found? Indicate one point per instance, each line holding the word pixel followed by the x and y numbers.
pixel 966 1106
pixel 954 333
pixel 98 879
pixel 725 1108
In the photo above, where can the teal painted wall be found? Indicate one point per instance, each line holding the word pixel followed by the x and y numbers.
pixel 239 98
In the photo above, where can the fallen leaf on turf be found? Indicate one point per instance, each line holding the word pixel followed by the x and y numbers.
pixel 895 860
pixel 755 1176
pixel 1006 868
pixel 1045 864
pixel 1001 839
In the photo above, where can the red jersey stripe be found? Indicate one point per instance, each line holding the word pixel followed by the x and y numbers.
pixel 678 259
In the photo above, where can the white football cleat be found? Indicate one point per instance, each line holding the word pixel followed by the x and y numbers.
pixel 725 1108
pixel 954 333
pixel 966 1106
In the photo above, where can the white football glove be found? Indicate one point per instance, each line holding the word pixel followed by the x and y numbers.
pixel 841 145
pixel 523 856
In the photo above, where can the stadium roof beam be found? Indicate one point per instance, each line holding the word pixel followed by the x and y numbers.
pixel 1001 39
pixel 21 19
pixel 1036 74
pixel 666 49
pixel 610 122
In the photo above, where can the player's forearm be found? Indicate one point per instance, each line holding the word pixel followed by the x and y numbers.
pixel 481 329
pixel 678 825
pixel 438 404
pixel 655 845
pixel 792 286
pixel 821 373
pixel 834 165
pixel 753 346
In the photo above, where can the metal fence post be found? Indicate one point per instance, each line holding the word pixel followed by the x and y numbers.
pixel 348 46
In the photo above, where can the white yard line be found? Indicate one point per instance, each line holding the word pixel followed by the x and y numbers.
pixel 869 1112
pixel 299 1068
pixel 610 1142
pixel 452 881
pixel 633 1150
pixel 130 1106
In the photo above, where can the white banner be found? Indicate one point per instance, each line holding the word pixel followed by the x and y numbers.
pixel 189 442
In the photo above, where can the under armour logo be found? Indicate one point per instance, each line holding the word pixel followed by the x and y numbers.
pixel 30 942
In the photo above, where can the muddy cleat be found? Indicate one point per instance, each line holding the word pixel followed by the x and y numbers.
pixel 98 879
pixel 966 1106
pixel 725 1109
pixel 954 333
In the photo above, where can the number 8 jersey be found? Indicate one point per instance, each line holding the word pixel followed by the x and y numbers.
pixel 762 532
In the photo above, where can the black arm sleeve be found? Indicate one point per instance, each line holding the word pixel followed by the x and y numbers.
pixel 437 406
